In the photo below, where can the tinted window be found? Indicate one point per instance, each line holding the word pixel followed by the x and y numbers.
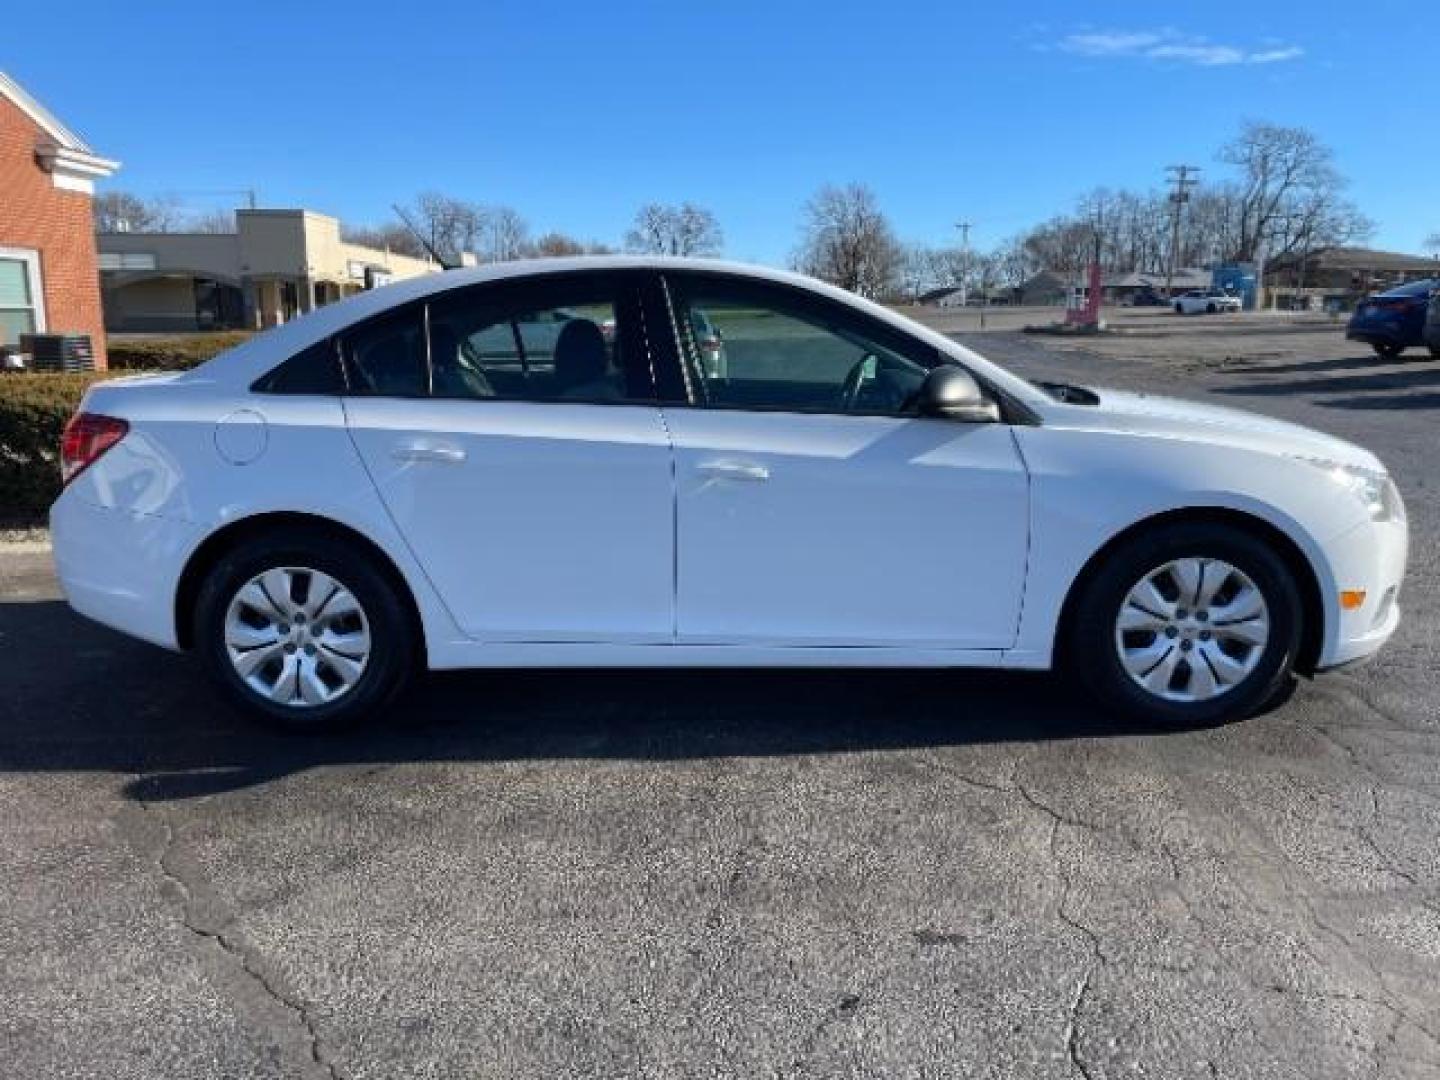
pixel 386 356
pixel 757 347
pixel 314 371
pixel 562 338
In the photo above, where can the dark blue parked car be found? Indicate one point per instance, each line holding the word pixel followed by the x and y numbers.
pixel 1392 321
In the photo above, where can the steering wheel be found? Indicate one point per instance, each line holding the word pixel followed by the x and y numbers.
pixel 854 381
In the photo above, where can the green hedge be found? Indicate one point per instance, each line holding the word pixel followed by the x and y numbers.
pixel 33 411
pixel 171 352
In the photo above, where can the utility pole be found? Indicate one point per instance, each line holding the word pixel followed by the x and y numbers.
pixel 964 227
pixel 1182 176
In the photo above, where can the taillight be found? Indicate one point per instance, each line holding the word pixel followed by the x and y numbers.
pixel 1392 303
pixel 710 344
pixel 86 437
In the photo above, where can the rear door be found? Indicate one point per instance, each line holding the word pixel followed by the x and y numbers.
pixel 513 433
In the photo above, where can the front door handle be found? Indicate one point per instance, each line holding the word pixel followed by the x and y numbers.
pixel 733 470
pixel 428 450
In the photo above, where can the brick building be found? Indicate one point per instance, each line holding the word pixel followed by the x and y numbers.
pixel 49 279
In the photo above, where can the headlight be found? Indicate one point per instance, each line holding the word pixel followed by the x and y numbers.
pixel 1375 490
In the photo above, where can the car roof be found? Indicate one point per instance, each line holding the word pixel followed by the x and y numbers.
pixel 1412 288
pixel 245 363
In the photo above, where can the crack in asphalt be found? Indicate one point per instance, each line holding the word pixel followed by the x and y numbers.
pixel 1072 1026
pixel 227 945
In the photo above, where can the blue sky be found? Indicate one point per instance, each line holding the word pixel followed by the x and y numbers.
pixel 575 114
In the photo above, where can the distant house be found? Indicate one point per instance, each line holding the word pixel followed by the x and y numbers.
pixel 277 264
pixel 1053 287
pixel 1341 270
pixel 48 279
pixel 950 296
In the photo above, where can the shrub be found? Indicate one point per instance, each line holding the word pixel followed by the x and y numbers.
pixel 33 411
pixel 171 352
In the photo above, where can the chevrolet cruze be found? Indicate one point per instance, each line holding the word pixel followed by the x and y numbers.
pixel 537 465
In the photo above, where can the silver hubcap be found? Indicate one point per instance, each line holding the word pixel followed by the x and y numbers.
pixel 1192 629
pixel 297 636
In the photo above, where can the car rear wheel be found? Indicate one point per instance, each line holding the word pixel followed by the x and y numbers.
pixel 303 633
pixel 1388 352
pixel 1179 309
pixel 1210 309
pixel 1188 625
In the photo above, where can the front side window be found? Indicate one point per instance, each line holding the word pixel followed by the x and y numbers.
pixel 566 338
pixel 752 346
pixel 20 304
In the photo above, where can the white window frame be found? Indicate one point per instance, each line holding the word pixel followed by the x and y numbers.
pixel 31 258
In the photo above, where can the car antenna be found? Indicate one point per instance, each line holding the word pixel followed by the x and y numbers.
pixel 445 264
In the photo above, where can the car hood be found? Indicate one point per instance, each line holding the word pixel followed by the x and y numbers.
pixel 1125 412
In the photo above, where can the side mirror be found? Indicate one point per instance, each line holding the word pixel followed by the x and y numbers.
pixel 951 392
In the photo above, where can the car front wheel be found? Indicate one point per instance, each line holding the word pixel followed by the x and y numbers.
pixel 303 633
pixel 1389 352
pixel 1192 624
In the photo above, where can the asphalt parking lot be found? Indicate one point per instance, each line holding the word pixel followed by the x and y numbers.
pixel 740 873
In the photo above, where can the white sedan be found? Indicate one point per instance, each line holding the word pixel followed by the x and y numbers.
pixel 419 477
pixel 1206 302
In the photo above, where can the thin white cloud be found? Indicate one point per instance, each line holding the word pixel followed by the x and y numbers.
pixel 1167 45
pixel 1276 56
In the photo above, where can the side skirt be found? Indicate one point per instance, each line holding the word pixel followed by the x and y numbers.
pixel 469 654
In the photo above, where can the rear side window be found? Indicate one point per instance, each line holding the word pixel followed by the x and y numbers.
pixel 314 371
pixel 558 338
pixel 386 356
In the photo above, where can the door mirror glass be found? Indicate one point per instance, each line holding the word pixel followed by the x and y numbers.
pixel 951 392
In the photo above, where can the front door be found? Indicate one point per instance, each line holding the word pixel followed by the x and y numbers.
pixel 526 463
pixel 813 507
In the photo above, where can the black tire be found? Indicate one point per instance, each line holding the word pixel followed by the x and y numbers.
pixel 393 655
pixel 1092 656
pixel 1179 309
pixel 1435 352
pixel 1388 352
pixel 1210 309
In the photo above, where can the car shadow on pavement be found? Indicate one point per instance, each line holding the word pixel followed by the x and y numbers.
pixel 1380 380
pixel 1368 362
pixel 79 697
pixel 1383 401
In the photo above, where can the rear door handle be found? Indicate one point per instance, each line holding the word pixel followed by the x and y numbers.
pixel 733 470
pixel 428 450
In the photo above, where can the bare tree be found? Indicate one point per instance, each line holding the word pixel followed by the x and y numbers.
pixel 1014 265
pixel 847 241
pixel 686 229
pixel 1285 173
pixel 389 236
pixel 122 211
pixel 211 221
pixel 506 234
pixel 560 244
pixel 448 226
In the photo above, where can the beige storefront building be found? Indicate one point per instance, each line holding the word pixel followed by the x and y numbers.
pixel 276 265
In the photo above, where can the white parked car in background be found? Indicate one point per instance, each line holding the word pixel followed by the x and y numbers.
pixel 1205 302
pixel 467 471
